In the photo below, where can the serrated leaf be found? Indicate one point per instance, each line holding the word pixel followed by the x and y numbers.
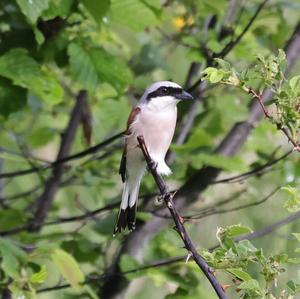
pixel 32 9
pixel 68 267
pixel 97 8
pixel 26 72
pixel 240 274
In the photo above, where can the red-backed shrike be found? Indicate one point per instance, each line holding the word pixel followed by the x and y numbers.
pixel 154 118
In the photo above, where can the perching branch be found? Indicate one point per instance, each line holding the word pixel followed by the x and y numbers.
pixel 168 199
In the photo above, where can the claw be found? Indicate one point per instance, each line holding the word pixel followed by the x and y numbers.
pixel 153 165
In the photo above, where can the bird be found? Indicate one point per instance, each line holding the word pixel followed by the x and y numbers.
pixel 154 118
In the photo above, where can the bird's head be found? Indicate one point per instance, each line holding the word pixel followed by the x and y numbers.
pixel 164 94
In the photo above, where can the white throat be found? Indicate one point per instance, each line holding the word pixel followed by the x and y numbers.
pixel 162 104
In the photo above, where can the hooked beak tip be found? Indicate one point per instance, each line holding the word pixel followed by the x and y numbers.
pixel 185 96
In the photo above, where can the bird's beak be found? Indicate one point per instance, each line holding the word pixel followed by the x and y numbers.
pixel 184 96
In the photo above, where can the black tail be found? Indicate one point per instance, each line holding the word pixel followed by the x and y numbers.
pixel 126 218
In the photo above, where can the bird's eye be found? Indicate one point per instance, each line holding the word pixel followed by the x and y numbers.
pixel 165 90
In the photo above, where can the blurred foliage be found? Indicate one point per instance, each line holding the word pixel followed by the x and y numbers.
pixel 51 49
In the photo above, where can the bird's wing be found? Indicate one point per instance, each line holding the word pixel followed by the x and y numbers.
pixel 122 170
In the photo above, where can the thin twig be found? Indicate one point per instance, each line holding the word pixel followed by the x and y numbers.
pixel 254 171
pixel 237 208
pixel 258 97
pixel 89 151
pixel 233 43
pixel 178 220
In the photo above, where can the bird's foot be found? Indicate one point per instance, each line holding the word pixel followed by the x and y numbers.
pixel 152 165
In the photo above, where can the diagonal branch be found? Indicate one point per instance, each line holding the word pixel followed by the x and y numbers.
pixel 178 220
pixel 233 43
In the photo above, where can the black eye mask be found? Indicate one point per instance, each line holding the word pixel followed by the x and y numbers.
pixel 164 91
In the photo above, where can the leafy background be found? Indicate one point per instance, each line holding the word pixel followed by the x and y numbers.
pixel 113 49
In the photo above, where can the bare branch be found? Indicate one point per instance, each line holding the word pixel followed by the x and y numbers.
pixel 178 220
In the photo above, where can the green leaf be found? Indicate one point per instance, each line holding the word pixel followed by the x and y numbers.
pixel 295 84
pixel 41 136
pixel 26 72
pixel 13 98
pixel 297 236
pixel 111 69
pixel 134 14
pixel 232 231
pixel 198 138
pixel 57 8
pixel 292 204
pixel 236 230
pixel 11 256
pixel 97 8
pixel 213 75
pixel 293 286
pixel 218 161
pixel 251 284
pixel 240 274
pixel 39 277
pixel 82 67
pixel 32 9
pixel 68 267
pixel 225 65
pixel 128 263
pixel 89 66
